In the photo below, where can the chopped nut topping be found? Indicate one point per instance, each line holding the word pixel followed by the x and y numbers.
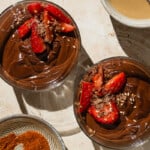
pixel 19 15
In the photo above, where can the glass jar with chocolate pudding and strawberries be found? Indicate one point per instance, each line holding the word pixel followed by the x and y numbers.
pixel 40 43
pixel 112 102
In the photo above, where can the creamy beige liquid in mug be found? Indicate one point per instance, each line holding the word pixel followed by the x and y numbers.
pixel 138 9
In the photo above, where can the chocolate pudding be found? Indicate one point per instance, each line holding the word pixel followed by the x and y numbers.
pixel 24 68
pixel 132 101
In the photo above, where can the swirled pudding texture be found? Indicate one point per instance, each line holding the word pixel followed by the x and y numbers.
pixel 133 104
pixel 23 68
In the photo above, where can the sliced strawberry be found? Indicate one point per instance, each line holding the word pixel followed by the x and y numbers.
pixel 98 79
pixel 25 28
pixel 47 18
pixel 107 114
pixel 86 94
pixel 37 42
pixel 48 32
pixel 115 84
pixel 35 8
pixel 57 13
pixel 65 27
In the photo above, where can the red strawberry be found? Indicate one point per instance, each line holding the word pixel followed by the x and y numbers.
pixel 65 27
pixel 86 93
pixel 48 33
pixel 35 8
pixel 98 79
pixel 25 28
pixel 107 114
pixel 37 42
pixel 57 13
pixel 47 18
pixel 115 84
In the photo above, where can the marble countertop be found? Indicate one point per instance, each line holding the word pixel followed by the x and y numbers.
pixel 102 37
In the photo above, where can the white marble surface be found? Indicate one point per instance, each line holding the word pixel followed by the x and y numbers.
pixel 98 39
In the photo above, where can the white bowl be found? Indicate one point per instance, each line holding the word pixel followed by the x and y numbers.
pixel 138 23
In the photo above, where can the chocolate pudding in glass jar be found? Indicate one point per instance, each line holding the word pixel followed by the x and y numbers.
pixel 40 43
pixel 112 102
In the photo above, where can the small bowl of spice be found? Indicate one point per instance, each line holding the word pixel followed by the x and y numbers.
pixel 39 46
pixel 112 104
pixel 134 13
pixel 28 132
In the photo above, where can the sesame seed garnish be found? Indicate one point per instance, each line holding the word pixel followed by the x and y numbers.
pixel 126 118
pixel 146 124
pixel 68 39
pixel 133 137
pixel 122 112
pixel 134 120
pixel 73 46
pixel 13 35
